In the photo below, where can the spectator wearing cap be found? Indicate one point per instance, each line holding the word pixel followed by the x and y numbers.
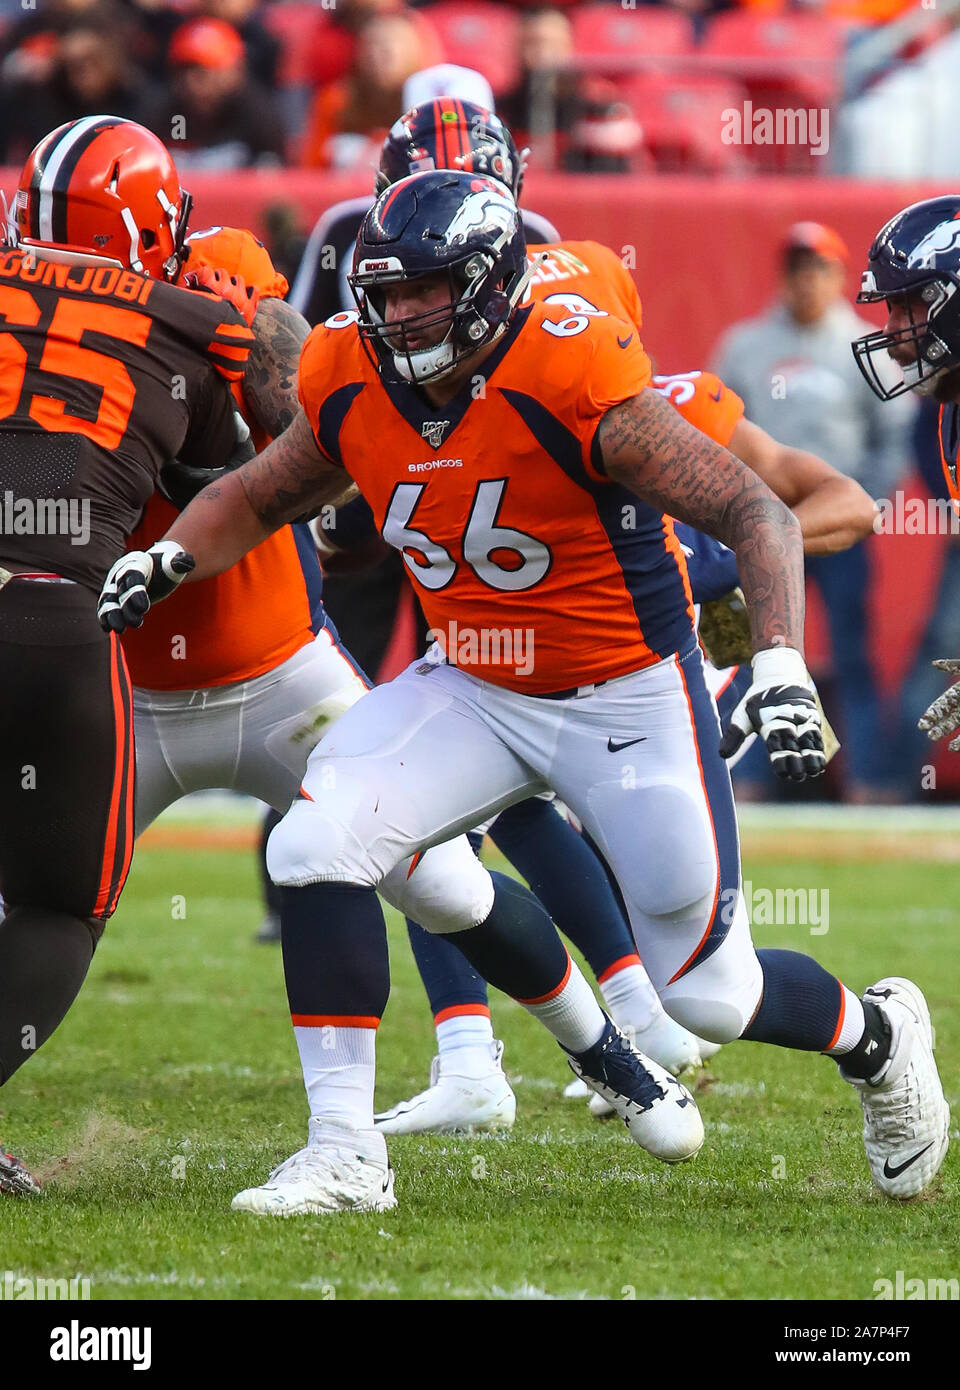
pixel 214 115
pixel 84 69
pixel 797 376
pixel 262 48
pixel 350 118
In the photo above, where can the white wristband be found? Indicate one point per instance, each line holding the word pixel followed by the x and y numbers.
pixel 779 666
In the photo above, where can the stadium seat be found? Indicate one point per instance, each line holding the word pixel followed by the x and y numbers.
pixel 610 31
pixel 780 57
pixel 479 34
pixel 682 120
pixel 297 24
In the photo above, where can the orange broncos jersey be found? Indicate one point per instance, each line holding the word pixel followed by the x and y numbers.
pixel 949 434
pixel 587 274
pixel 704 402
pixel 498 502
pixel 586 269
pixel 267 606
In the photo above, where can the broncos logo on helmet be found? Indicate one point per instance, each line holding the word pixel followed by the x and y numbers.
pixel 448 223
pixel 915 260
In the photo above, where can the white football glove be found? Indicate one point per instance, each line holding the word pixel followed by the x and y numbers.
pixel 136 580
pixel 780 706
pixel 943 716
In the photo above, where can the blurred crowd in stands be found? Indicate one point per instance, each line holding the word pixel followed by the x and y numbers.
pixel 592 86
pixel 596 85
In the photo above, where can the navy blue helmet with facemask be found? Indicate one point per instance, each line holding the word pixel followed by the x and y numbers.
pixel 916 255
pixel 462 226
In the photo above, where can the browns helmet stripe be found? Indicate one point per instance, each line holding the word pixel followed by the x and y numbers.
pixel 59 163
pixel 36 174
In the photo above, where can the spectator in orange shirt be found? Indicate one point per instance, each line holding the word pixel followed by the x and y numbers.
pixel 350 119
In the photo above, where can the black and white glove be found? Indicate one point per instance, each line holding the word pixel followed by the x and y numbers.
pixel 136 580
pixel 943 716
pixel 781 707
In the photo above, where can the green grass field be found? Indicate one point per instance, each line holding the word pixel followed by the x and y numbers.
pixel 174 1083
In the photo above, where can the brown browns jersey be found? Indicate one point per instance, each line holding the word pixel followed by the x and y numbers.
pixel 104 377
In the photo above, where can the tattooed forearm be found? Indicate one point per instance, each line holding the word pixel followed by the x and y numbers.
pixel 291 479
pixel 650 449
pixel 270 380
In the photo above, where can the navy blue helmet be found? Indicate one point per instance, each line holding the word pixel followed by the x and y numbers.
pixel 460 226
pixel 916 255
pixel 450 134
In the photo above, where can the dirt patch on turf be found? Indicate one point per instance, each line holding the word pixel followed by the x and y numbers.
pixel 833 846
pixel 200 838
pixel 103 1143
pixel 845 845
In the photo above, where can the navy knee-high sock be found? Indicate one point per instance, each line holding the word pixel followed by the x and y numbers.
pixel 802 1006
pixel 453 986
pixel 570 879
pixel 335 960
pixel 517 947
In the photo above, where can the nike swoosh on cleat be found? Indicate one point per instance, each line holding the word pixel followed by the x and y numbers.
pixel 616 747
pixel 879 993
pixel 889 1172
pixel 624 342
pixel 716 397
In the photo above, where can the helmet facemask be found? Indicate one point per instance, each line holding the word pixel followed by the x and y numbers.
pixel 467 328
pixel 928 334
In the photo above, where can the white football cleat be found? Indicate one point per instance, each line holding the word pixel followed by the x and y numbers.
pixel 455 1103
pixel 660 1114
pixel 667 1042
pixel 905 1113
pixel 341 1169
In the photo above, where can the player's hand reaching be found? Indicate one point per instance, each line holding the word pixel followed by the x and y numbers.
pixel 136 580
pixel 943 716
pixel 233 288
pixel 780 706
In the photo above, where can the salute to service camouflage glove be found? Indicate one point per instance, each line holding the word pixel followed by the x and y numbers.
pixel 136 580
pixel 943 716
pixel 725 637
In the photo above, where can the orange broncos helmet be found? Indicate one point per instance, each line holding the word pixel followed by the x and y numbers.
pixel 103 191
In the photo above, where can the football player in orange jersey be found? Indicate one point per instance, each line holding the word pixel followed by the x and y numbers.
pixel 468 1088
pixel 564 637
pixel 258 726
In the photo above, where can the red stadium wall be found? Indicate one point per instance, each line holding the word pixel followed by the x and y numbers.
pixel 704 254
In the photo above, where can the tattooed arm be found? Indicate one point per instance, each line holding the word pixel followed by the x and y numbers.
pixel 290 479
pixel 270 380
pixel 650 449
